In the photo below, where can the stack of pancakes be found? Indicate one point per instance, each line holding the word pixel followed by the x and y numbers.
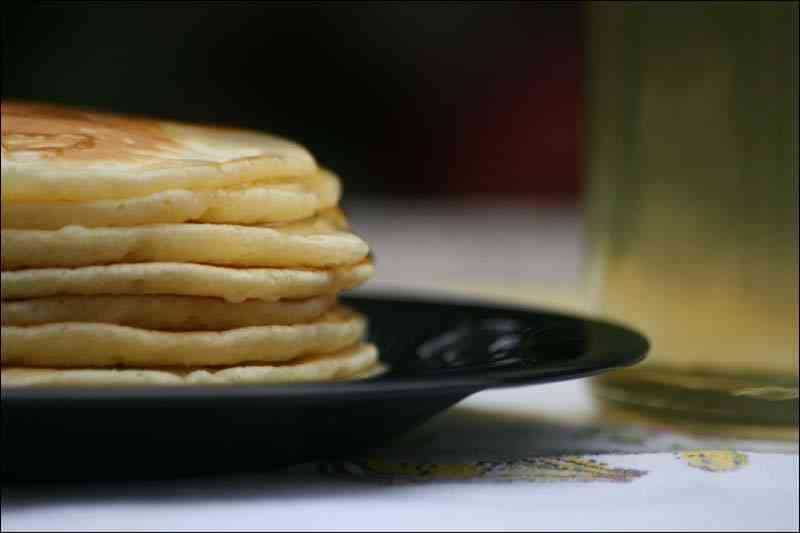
pixel 142 252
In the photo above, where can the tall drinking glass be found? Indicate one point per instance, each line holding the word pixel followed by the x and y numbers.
pixel 692 205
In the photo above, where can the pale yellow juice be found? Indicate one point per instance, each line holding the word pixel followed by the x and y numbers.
pixel 692 209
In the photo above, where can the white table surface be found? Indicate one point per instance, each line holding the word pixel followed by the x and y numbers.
pixel 531 458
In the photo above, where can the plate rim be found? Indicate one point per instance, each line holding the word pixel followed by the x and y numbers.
pixel 379 386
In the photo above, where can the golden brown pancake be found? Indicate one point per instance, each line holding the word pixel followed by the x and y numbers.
pixel 52 153
pixel 163 312
pixel 356 362
pixel 321 242
pixel 255 203
pixel 230 284
pixel 86 344
pixel 138 251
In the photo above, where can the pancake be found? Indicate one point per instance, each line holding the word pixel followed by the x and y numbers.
pixel 140 252
pixel 250 204
pixel 81 345
pixel 317 243
pixel 56 154
pixel 230 284
pixel 164 313
pixel 356 362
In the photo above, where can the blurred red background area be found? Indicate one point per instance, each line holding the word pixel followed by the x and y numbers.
pixel 523 138
pixel 520 137
pixel 400 98
pixel 515 131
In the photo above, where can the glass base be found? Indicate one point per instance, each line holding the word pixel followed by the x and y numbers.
pixel 743 405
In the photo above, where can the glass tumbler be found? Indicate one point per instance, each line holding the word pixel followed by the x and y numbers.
pixel 692 204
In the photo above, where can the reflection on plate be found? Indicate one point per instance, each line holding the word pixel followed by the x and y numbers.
pixel 438 352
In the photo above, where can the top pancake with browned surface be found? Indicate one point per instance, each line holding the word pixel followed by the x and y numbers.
pixel 65 154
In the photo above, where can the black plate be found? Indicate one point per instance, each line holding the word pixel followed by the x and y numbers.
pixel 439 352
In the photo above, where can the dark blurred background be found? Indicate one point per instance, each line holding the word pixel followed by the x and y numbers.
pixel 400 98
